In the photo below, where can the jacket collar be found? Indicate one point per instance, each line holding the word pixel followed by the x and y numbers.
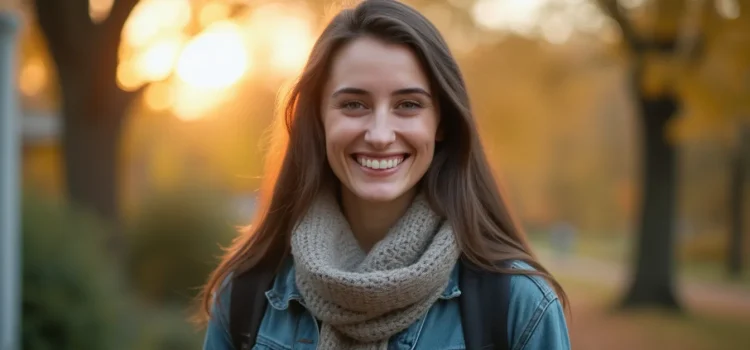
pixel 284 288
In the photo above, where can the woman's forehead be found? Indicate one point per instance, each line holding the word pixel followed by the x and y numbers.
pixel 368 63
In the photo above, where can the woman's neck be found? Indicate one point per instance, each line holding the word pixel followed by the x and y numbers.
pixel 371 221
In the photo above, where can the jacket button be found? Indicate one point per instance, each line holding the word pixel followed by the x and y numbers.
pixel 245 346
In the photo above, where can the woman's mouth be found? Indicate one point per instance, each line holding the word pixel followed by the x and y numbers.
pixel 380 163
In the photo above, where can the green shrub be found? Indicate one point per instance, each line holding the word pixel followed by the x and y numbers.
pixel 175 240
pixel 167 328
pixel 71 295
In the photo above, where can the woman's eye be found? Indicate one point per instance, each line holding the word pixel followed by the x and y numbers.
pixel 352 105
pixel 409 105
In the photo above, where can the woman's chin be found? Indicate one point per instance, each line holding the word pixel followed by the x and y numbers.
pixel 379 193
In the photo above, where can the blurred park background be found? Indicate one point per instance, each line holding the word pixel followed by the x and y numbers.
pixel 620 128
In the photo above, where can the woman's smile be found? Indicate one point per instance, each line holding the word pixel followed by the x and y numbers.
pixel 379 165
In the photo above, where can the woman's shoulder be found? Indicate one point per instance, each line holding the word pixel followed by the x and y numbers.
pixel 221 300
pixel 536 319
pixel 523 284
pixel 529 286
pixel 217 332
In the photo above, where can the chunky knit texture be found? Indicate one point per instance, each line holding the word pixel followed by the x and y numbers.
pixel 364 298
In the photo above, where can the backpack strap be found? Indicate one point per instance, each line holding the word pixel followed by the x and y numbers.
pixel 248 304
pixel 484 307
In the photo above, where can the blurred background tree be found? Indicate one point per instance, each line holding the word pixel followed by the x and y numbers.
pixel 664 46
pixel 84 42
pixel 739 160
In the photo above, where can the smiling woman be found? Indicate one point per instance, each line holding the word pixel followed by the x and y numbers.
pixel 384 227
pixel 380 122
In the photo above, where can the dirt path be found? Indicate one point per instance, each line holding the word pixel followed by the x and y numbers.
pixel 718 316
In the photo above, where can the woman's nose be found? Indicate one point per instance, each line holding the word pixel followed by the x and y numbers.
pixel 380 132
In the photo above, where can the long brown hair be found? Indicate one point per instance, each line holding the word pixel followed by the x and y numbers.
pixel 459 182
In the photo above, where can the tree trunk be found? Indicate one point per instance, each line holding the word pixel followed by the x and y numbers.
pixel 90 153
pixel 93 106
pixel 653 283
pixel 736 207
pixel 93 114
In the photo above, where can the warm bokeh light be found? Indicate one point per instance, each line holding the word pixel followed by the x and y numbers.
pixel 152 41
pixel 159 96
pixel 213 12
pixel 292 43
pixel 157 61
pixel 284 32
pixel 193 103
pixel 588 17
pixel 216 58
pixel 557 30
pixel 150 18
pixel 555 21
pixel 127 76
pixel 33 77
pixel 631 4
pixel 156 46
pixel 520 16
pixel 729 9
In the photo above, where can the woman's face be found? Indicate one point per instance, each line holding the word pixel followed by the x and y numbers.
pixel 380 119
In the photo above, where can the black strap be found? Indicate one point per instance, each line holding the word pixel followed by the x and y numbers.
pixel 484 308
pixel 248 304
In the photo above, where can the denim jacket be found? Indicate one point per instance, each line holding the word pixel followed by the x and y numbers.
pixel 535 319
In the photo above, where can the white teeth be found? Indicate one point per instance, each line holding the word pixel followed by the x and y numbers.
pixel 379 164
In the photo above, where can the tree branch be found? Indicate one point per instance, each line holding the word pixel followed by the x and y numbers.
pixel 631 39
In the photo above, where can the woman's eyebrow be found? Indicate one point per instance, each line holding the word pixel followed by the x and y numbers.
pixel 358 91
pixel 349 90
pixel 414 90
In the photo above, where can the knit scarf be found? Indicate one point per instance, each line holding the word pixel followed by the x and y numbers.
pixel 364 298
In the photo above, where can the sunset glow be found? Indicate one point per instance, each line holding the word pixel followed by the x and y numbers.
pixel 216 58
pixel 159 96
pixel 729 9
pixel 157 61
pixel 293 44
pixel 516 15
pixel 127 76
pixel 552 20
pixel 196 71
pixel 192 103
pixel 152 18
pixel 213 12
pixel 284 33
